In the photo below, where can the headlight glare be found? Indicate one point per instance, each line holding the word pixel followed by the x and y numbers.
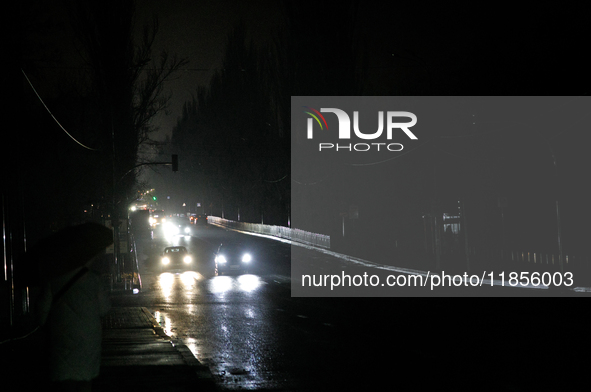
pixel 170 230
pixel 246 258
pixel 165 260
pixel 187 259
pixel 220 259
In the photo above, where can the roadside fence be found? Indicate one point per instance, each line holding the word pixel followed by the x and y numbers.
pixel 297 235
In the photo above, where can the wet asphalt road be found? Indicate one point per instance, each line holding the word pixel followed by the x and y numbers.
pixel 253 335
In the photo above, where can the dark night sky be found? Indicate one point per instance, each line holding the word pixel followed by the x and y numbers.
pixel 412 49
pixel 399 40
pixel 197 30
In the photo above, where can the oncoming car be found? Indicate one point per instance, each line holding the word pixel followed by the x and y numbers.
pixel 233 257
pixel 176 258
pixel 176 227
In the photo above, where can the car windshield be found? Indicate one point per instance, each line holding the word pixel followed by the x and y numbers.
pixel 175 250
pixel 232 248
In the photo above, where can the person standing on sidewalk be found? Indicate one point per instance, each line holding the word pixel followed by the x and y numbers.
pixel 72 302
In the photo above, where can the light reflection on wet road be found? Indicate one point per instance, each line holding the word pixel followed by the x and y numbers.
pixel 224 320
pixel 228 322
pixel 253 335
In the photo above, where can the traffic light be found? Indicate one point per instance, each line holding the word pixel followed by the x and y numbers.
pixel 154 198
pixel 175 162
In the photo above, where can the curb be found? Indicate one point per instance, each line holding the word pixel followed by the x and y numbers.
pixel 201 370
pixel 155 325
pixel 140 354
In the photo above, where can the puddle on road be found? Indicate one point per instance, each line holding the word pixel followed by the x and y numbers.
pixel 224 337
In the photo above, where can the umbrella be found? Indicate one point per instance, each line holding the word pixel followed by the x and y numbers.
pixel 68 249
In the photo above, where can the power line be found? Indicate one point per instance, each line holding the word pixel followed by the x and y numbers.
pixel 272 181
pixel 334 169
pixel 55 119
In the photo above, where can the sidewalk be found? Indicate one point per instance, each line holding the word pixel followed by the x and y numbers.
pixel 137 354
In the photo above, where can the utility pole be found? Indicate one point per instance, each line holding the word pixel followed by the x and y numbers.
pixel 502 204
pixel 558 225
pixel 114 214
pixel 435 214
pixel 464 226
pixel 436 234
pixel 558 214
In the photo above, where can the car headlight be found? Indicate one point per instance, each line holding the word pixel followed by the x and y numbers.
pixel 165 260
pixel 220 259
pixel 187 259
pixel 170 230
pixel 246 258
pixel 187 230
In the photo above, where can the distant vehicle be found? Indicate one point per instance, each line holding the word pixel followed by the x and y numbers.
pixel 176 258
pixel 200 219
pixel 157 220
pixel 233 257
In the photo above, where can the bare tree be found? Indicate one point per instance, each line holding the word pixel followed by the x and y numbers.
pixel 127 82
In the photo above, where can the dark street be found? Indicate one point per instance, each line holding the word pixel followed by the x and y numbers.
pixel 252 334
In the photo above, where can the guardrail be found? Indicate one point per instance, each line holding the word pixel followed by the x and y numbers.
pixel 297 235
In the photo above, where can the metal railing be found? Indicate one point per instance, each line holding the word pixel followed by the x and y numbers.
pixel 297 235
